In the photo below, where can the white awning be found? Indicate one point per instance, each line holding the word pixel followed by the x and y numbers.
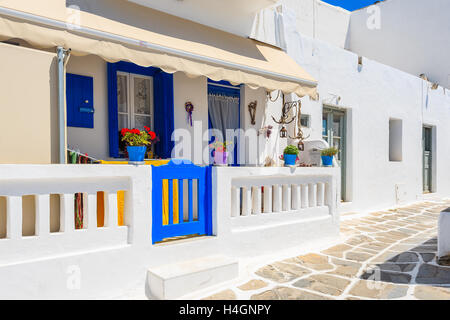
pixel 120 31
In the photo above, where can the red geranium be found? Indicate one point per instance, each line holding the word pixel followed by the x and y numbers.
pixel 135 131
pixel 151 133
pixel 124 131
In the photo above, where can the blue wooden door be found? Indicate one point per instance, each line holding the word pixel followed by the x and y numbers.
pixel 181 222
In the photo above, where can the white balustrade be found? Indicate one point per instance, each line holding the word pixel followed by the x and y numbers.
pixel 278 194
pixel 41 182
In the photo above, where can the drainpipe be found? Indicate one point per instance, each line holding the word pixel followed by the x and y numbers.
pixel 62 55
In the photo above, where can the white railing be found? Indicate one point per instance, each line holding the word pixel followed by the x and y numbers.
pixel 279 193
pixel 30 189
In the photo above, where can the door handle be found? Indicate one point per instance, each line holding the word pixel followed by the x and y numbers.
pixel 86 110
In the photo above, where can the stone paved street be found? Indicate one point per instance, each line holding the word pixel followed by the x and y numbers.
pixel 385 255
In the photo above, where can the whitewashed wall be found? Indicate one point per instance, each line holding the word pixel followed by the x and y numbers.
pixel 318 20
pixel 371 97
pixel 413 37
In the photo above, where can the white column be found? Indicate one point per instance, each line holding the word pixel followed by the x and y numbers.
pixel 67 219
pixel 277 198
pixel 267 199
pixel 256 199
pixel 14 217
pixel 320 194
pixel 111 210
pixel 304 195
pixel 312 195
pixel 246 201
pixel 296 197
pixel 286 197
pixel 42 204
pixel 91 212
pixel 235 201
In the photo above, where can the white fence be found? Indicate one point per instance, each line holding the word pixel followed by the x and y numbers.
pixel 33 232
pixel 280 193
pixel 264 209
pixel 279 208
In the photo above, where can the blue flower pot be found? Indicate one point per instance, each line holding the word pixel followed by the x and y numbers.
pixel 136 154
pixel 289 159
pixel 327 161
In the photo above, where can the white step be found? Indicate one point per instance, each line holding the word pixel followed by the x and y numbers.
pixel 175 280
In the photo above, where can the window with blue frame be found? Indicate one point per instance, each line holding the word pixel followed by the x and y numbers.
pixel 138 97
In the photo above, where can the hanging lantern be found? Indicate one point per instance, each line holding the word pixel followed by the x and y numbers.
pixel 301 146
pixel 283 132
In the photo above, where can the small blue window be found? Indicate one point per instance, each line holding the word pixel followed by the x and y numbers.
pixel 80 101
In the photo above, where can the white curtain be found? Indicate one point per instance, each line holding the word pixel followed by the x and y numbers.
pixel 224 113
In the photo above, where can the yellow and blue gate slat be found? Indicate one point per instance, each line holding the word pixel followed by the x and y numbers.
pixel 121 197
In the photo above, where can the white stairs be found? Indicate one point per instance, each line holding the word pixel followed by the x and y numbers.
pixel 176 280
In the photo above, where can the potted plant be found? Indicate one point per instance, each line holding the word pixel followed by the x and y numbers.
pixel 327 156
pixel 290 155
pixel 137 142
pixel 220 152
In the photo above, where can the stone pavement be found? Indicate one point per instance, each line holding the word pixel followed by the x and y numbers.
pixel 385 255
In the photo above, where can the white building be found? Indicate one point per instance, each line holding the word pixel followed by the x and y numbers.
pixel 390 127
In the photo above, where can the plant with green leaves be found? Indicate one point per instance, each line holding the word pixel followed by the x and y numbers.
pixel 291 149
pixel 138 138
pixel 329 152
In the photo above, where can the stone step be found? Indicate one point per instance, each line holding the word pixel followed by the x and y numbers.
pixel 175 280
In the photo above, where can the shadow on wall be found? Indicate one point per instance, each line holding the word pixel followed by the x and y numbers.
pixel 155 21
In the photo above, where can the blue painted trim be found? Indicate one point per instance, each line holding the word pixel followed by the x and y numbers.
pixel 163 111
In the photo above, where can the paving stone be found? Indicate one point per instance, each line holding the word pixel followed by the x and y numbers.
pixel 357 240
pixel 284 293
pixel 337 251
pixel 315 261
pixel 282 272
pixel 378 290
pixel 326 284
pixel 253 285
pixel 358 256
pixel 384 276
pixel 431 293
pixel 405 257
pixel 397 267
pixel 428 257
pixel 427 249
pixel 223 295
pixel 431 274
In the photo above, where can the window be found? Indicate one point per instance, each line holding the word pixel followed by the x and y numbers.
pixel 139 96
pixel 305 120
pixel 395 140
pixel 134 102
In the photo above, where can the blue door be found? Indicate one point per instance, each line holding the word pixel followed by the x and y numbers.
pixel 170 219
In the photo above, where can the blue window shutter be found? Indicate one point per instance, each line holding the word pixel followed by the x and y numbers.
pixel 113 121
pixel 80 101
pixel 164 113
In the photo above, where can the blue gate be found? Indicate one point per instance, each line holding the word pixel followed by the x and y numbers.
pixel 172 216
